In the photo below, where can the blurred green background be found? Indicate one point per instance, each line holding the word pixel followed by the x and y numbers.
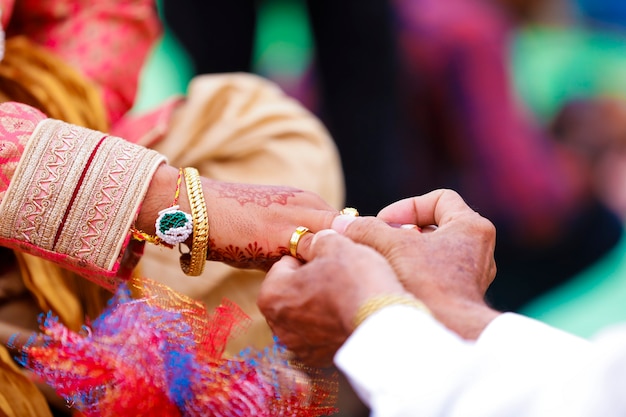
pixel 283 50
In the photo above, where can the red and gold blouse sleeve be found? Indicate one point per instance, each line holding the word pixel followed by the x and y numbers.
pixel 107 40
pixel 69 194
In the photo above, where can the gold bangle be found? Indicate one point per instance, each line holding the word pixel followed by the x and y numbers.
pixel 192 262
pixel 374 304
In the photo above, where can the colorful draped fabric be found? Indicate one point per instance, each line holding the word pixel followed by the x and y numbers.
pixel 162 354
pixel 159 345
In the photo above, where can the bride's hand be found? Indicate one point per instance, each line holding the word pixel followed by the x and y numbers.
pixel 249 225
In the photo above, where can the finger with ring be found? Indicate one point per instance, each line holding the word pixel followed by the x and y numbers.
pixel 295 238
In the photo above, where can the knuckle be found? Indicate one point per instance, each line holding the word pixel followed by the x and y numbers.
pixel 484 226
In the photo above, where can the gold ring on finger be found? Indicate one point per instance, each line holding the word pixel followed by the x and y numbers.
pixel 295 238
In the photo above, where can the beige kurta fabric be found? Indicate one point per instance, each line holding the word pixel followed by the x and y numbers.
pixel 242 128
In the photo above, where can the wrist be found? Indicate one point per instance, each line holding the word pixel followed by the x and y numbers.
pixel 377 303
pixel 466 318
pixel 159 197
pixel 175 205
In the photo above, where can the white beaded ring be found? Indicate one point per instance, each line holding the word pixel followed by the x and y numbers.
pixel 173 226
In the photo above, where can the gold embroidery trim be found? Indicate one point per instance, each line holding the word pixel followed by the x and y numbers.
pixel 106 205
pixel 43 182
pixel 115 180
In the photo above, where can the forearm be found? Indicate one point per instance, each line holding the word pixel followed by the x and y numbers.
pixel 76 193
pixel 72 193
pixel 159 196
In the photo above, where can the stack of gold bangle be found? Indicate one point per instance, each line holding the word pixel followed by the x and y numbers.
pixel 192 262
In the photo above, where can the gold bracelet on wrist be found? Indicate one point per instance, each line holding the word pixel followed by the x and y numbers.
pixel 374 304
pixel 192 262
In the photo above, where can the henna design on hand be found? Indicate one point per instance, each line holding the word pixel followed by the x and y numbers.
pixel 261 195
pixel 250 257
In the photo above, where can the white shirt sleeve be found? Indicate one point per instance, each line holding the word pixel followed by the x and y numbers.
pixel 401 362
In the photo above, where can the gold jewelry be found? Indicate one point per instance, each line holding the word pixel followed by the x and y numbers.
pixel 374 304
pixel 192 262
pixel 350 211
pixel 295 238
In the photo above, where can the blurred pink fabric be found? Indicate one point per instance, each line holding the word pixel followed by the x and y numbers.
pixel 107 40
